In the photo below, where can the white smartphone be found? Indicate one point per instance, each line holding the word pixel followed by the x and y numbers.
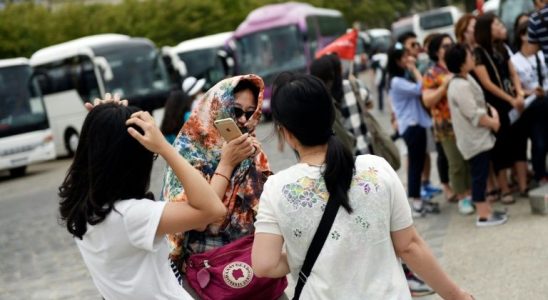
pixel 228 129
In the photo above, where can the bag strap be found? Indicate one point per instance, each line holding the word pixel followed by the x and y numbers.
pixel 494 68
pixel 539 71
pixel 316 245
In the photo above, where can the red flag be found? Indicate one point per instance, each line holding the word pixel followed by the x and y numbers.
pixel 344 46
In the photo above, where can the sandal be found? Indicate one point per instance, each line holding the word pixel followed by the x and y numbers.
pixel 508 198
pixel 493 196
pixel 453 199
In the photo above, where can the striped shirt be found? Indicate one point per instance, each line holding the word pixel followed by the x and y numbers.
pixel 538 30
pixel 353 116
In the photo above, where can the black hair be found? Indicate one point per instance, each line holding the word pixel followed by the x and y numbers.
pixel 456 57
pixel 178 103
pixel 247 85
pixel 302 105
pixel 483 35
pixel 109 165
pixel 329 69
pixel 395 53
pixel 402 38
pixel 520 30
pixel 337 90
pixel 435 45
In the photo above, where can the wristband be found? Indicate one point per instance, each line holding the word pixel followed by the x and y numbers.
pixel 227 179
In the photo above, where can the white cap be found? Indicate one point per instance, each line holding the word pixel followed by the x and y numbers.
pixel 191 86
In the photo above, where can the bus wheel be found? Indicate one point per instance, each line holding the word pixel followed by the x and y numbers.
pixel 18 172
pixel 71 141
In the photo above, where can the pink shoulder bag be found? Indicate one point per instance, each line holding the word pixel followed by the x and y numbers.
pixel 226 273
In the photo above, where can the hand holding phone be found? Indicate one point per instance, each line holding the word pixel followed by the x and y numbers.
pixel 228 129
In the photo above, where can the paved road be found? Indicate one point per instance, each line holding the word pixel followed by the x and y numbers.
pixel 39 260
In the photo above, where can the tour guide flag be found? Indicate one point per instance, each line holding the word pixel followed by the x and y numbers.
pixel 344 46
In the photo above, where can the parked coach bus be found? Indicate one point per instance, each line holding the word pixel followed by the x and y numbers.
pixel 83 69
pixel 204 57
pixel 25 136
pixel 283 37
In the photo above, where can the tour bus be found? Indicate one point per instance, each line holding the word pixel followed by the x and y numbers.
pixel 80 70
pixel 440 20
pixel 25 136
pixel 204 57
pixel 283 37
pixel 380 39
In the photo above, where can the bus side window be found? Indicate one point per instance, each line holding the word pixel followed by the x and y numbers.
pixel 86 81
pixel 312 35
pixel 331 26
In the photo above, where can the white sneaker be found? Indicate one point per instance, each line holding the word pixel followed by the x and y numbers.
pixel 465 206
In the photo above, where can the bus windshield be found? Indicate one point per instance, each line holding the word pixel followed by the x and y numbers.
pixel 22 107
pixel 271 51
pixel 137 71
pixel 204 63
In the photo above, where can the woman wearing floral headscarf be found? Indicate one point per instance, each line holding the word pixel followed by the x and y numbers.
pixel 236 170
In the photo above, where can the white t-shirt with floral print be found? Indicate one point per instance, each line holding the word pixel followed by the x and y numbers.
pixel 358 259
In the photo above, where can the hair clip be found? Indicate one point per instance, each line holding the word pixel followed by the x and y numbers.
pixel 398 46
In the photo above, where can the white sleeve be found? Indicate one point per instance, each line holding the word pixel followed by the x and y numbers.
pixel 400 211
pixel 267 222
pixel 141 221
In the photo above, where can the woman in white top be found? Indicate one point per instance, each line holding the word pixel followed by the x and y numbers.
pixel 529 64
pixel 105 205
pixel 373 227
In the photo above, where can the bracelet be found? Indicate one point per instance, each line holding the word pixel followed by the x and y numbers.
pixel 216 173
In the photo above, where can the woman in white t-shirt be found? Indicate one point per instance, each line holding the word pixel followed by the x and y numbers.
pixel 105 205
pixel 373 227
pixel 529 64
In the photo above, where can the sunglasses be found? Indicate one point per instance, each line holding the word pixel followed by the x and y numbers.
pixel 446 46
pixel 238 112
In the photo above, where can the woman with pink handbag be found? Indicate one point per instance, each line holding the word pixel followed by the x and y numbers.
pixel 216 261
pixel 351 214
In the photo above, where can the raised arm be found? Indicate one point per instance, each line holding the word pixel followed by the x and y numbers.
pixel 203 206
pixel 430 97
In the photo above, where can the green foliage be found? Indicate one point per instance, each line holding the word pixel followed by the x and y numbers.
pixel 26 28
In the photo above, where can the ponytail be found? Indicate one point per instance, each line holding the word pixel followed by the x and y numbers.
pixel 338 172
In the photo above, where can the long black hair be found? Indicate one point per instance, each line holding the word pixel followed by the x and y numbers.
pixel 520 31
pixel 109 165
pixel 484 36
pixel 395 53
pixel 177 104
pixel 302 105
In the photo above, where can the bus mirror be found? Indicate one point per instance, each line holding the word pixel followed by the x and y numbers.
pixel 105 68
pixel 180 66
